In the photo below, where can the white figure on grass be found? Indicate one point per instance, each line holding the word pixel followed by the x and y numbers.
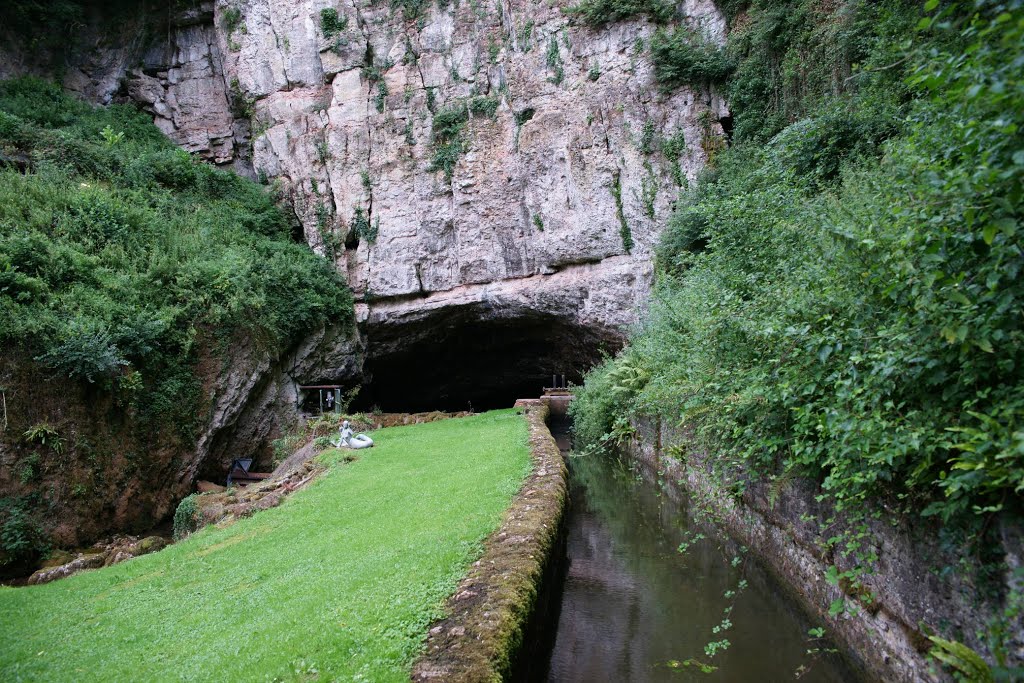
pixel 348 439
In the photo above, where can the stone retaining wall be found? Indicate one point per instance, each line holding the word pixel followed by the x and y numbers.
pixel 922 586
pixel 490 611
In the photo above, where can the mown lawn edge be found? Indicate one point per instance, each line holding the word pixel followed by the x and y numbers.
pixel 489 613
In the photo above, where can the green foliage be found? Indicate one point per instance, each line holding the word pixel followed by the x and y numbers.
pixel 22 539
pixel 843 300
pixel 449 130
pixel 732 8
pixel 375 72
pixel 446 156
pixel 672 148
pixel 648 190
pixel 790 57
pixel 411 10
pixel 597 409
pixel 449 122
pixel 323 152
pixel 29 468
pixel 594 72
pixel 88 351
pixel 448 140
pixel 647 137
pixel 331 24
pixel 624 230
pixel 231 19
pixel 599 13
pixel 186 517
pixel 44 435
pixel 45 24
pixel 966 662
pixel 484 106
pixel 361 227
pixel 322 443
pixel 284 446
pixel 554 61
pixel 357 566
pixel 115 258
pixel 242 105
pixel 110 137
pixel 685 57
pixel 526 36
pixel 538 222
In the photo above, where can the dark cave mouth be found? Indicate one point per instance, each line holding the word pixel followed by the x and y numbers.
pixel 475 358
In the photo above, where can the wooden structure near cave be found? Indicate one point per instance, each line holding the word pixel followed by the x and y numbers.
pixel 323 390
pixel 558 387
pixel 557 397
pixel 239 474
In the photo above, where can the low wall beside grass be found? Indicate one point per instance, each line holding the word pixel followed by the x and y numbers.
pixel 490 612
pixel 341 581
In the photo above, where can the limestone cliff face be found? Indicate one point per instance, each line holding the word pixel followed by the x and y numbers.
pixel 534 192
pixel 554 200
pixel 558 180
pixel 562 188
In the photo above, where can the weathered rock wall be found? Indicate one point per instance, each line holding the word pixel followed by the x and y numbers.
pixel 922 585
pixel 567 171
pixel 110 473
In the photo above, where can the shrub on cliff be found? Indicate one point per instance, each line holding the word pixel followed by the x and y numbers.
pixel 599 13
pixel 116 249
pixel 684 57
pixel 186 517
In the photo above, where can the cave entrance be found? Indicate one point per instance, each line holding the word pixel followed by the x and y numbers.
pixel 475 357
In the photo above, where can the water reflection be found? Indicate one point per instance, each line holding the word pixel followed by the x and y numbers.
pixel 634 608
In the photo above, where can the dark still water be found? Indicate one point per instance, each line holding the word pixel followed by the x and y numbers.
pixel 634 608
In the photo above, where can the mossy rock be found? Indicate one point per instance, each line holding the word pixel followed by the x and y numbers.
pixel 57 558
pixel 151 544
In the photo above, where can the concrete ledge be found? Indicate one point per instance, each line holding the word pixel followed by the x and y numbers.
pixel 491 608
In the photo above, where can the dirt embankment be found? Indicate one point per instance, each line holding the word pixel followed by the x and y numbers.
pixel 491 608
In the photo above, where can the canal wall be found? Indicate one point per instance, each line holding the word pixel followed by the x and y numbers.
pixel 490 613
pixel 921 585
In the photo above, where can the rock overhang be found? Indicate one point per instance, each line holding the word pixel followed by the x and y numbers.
pixel 487 345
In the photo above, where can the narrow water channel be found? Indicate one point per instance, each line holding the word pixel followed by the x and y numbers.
pixel 634 608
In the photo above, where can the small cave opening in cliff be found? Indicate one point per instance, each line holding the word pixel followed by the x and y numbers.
pixel 727 126
pixel 475 357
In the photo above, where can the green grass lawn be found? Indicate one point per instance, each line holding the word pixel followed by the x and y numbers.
pixel 342 579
